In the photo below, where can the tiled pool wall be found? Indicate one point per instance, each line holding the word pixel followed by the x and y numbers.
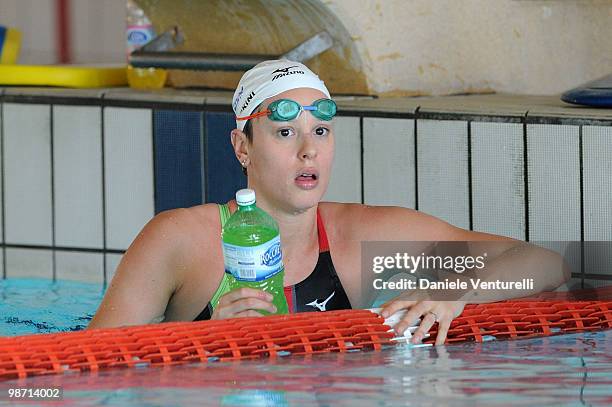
pixel 83 171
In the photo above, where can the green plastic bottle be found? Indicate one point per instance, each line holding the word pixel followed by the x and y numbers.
pixel 252 250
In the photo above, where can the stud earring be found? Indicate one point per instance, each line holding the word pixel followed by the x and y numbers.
pixel 244 163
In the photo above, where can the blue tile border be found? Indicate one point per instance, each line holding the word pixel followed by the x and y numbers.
pixel 222 171
pixel 178 159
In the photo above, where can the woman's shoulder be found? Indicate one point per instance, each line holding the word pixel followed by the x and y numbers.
pixel 349 212
pixel 196 219
pixel 350 220
pixel 204 213
pixel 339 212
pixel 182 225
pixel 179 236
pixel 370 222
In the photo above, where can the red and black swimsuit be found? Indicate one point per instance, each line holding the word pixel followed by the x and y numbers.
pixel 320 291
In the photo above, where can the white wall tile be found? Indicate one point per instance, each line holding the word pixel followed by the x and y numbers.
pixel 597 284
pixel 498 187
pixel 571 252
pixel 571 285
pixel 27 161
pixel 78 176
pixel 597 198
pixel 597 181
pixel 598 257
pixel 21 263
pixel 129 174
pixel 443 170
pixel 554 182
pixel 345 182
pixel 389 162
pixel 79 266
pixel 112 262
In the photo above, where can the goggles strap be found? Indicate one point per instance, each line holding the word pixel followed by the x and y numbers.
pixel 254 115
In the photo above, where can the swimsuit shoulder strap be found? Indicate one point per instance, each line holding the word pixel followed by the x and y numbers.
pixel 224 214
pixel 323 243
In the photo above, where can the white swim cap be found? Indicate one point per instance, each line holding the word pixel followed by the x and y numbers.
pixel 268 79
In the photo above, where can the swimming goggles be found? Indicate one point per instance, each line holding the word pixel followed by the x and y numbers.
pixel 284 110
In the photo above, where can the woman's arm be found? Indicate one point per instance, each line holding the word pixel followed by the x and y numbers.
pixel 148 275
pixel 507 260
pixel 173 251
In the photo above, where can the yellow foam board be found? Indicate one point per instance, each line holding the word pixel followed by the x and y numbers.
pixel 72 76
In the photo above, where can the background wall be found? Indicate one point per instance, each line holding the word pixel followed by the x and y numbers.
pixel 449 46
pixel 409 47
pixel 81 172
pixel 97 26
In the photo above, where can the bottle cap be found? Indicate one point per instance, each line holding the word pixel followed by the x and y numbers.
pixel 245 197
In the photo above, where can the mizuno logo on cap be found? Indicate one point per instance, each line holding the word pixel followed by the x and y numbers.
pixel 285 70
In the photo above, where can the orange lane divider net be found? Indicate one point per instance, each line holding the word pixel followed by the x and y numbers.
pixel 276 336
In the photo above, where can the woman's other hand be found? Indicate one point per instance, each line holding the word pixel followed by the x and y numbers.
pixel 430 312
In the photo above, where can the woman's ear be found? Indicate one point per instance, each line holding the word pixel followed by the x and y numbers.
pixel 241 145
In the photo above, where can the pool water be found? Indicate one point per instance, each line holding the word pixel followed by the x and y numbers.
pixel 29 306
pixel 566 370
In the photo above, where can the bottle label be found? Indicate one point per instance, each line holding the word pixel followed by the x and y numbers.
pixel 255 263
pixel 138 35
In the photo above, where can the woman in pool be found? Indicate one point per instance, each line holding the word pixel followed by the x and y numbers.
pixel 173 269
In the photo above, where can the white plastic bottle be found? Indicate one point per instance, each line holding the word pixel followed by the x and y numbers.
pixel 140 31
